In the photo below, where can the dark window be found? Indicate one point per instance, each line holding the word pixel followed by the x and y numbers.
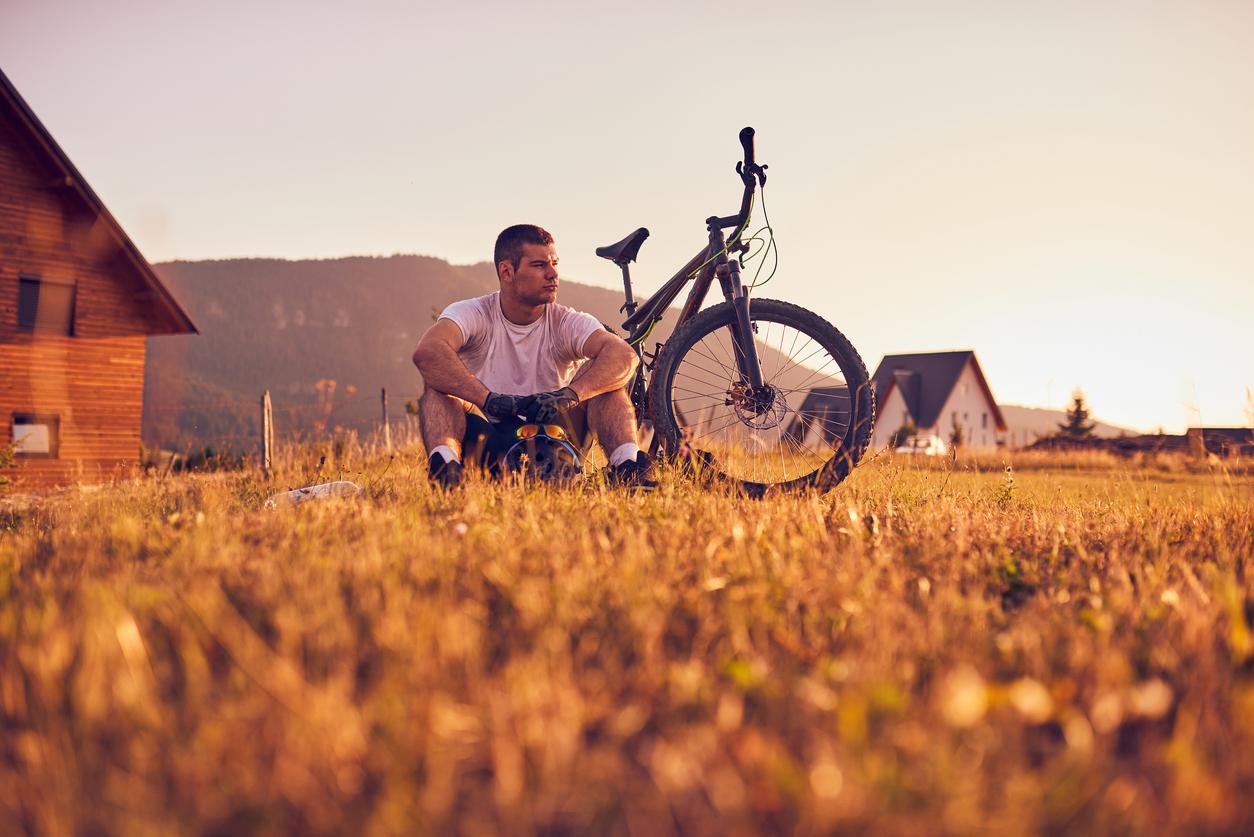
pixel 37 435
pixel 27 303
pixel 983 419
pixel 46 307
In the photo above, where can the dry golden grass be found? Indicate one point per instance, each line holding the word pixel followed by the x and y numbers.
pixel 927 648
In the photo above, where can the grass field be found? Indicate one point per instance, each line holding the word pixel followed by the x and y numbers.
pixel 929 648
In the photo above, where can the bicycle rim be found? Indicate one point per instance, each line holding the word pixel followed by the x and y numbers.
pixel 811 422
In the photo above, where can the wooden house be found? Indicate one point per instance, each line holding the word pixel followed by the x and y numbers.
pixel 77 302
pixel 936 392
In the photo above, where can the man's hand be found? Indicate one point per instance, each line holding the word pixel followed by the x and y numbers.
pixel 498 406
pixel 547 406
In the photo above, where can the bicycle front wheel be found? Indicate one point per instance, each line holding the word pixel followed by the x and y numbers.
pixel 808 426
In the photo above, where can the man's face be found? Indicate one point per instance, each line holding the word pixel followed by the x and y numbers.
pixel 535 280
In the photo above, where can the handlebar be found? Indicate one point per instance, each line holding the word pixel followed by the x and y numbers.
pixel 746 142
pixel 752 175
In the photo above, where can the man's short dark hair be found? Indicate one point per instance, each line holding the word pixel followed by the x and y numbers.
pixel 509 244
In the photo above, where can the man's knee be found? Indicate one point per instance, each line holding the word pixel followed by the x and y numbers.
pixel 615 398
pixel 434 399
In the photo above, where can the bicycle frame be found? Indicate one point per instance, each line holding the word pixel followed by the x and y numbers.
pixel 709 263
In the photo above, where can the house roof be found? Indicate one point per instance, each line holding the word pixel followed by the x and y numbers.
pixel 173 319
pixel 926 381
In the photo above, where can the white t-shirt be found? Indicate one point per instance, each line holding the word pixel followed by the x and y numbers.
pixel 520 359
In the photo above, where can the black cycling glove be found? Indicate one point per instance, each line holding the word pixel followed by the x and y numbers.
pixel 547 406
pixel 501 407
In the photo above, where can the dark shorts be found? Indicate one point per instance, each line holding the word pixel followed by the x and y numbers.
pixel 486 442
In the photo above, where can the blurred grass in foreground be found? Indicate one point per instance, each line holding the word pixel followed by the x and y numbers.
pixel 929 648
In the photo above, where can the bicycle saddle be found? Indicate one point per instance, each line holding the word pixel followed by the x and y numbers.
pixel 624 251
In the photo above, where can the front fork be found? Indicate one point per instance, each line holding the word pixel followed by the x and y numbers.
pixel 728 273
pixel 746 346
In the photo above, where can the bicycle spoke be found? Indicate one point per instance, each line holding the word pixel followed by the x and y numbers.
pixel 791 348
pixel 717 397
pixel 807 454
pixel 707 412
pixel 816 372
pixel 811 392
pixel 731 375
pixel 694 392
pixel 791 356
pixel 702 368
pixel 723 426
pixel 779 443
pixel 731 356
pixel 807 357
pixel 822 435
pixel 783 332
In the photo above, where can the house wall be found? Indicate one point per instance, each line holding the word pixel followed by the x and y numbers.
pixel 92 380
pixel 96 389
pixel 972 411
pixel 889 416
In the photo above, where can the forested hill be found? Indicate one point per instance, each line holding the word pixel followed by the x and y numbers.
pixel 322 335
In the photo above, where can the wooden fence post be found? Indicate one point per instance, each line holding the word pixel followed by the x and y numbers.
pixel 267 435
pixel 387 429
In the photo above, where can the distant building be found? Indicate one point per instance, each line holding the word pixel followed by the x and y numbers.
pixel 1196 441
pixel 936 392
pixel 77 302
pixel 1222 441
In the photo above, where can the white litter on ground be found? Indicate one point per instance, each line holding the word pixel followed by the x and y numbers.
pixel 323 491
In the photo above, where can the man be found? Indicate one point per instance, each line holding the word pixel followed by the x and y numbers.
pixel 487 360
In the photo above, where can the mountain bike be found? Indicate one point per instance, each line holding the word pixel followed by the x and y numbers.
pixel 760 392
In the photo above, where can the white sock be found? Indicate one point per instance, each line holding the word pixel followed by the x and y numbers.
pixel 448 453
pixel 624 453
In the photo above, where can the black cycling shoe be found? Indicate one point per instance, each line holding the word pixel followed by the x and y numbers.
pixel 634 473
pixel 444 474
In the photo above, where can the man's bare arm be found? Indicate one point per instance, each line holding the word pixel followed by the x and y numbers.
pixel 610 366
pixel 442 370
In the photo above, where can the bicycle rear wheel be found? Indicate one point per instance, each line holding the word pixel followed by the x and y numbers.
pixel 809 426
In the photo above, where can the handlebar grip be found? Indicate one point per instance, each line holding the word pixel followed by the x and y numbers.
pixel 746 141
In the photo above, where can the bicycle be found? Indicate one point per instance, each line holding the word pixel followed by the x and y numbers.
pixel 725 396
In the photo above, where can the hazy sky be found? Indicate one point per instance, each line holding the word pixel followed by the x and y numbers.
pixel 1065 187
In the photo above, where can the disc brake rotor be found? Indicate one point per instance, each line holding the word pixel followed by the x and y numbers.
pixel 759 410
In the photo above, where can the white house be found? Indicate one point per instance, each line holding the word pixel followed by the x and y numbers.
pixel 936 391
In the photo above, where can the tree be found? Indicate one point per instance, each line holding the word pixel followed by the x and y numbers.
pixel 1077 425
pixel 902 434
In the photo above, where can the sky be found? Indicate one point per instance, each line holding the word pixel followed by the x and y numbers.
pixel 1065 187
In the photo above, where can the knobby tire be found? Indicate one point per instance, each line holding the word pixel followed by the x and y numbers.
pixel 854 438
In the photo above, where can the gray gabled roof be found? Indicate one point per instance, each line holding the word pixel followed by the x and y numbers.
pixel 174 318
pixel 926 381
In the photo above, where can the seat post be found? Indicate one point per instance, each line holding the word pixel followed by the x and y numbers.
pixel 630 305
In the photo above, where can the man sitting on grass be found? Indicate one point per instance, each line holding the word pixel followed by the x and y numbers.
pixel 489 359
